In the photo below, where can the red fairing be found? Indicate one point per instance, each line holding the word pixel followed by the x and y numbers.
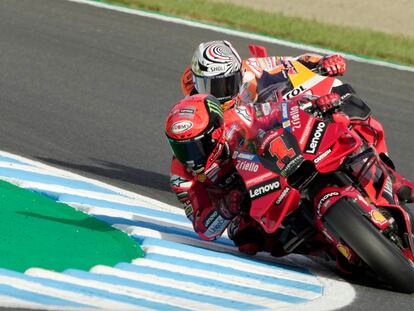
pixel 257 50
pixel 373 132
pixel 325 144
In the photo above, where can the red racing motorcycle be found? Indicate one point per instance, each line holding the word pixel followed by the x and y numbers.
pixel 317 186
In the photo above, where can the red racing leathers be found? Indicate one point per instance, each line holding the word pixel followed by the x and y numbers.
pixel 215 201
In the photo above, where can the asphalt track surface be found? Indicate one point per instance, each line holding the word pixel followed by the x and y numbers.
pixel 88 90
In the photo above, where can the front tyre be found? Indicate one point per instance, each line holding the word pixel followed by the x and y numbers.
pixel 345 219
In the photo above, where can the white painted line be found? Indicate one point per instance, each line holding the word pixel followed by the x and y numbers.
pixel 241 34
pixel 65 294
pixel 189 286
pixel 123 290
pixel 246 282
pixel 242 266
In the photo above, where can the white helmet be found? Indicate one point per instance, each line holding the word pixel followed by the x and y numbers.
pixel 216 68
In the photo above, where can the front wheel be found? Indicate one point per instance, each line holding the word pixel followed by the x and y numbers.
pixel 383 256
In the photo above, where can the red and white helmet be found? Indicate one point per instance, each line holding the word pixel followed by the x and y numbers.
pixel 195 131
pixel 216 68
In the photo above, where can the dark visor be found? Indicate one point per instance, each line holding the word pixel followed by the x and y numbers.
pixel 193 153
pixel 224 88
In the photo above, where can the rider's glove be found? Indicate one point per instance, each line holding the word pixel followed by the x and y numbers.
pixel 328 102
pixel 230 205
pixel 333 65
pixel 187 83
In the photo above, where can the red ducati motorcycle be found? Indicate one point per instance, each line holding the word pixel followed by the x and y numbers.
pixel 318 186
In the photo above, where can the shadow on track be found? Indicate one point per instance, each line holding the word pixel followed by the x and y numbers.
pixel 116 171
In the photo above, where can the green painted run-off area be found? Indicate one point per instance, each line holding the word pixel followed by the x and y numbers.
pixel 36 231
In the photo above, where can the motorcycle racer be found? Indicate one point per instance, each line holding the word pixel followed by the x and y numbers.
pixel 203 176
pixel 217 69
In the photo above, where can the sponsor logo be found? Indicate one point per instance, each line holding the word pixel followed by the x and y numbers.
pixel 247 166
pixel 268 139
pixel 209 220
pixel 217 68
pixel 285 114
pixel 322 156
pixel 315 138
pixel 187 111
pixel 244 115
pixel 294 92
pixel 283 195
pixel 344 250
pixel 264 188
pixel 258 179
pixel 286 124
pixel 247 156
pixel 292 164
pixel 217 227
pixel 188 209
pixel 378 218
pixel 324 199
pixel 181 126
pixel 177 181
pixel 212 106
pixel 295 118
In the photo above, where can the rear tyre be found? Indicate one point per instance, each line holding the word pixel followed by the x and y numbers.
pixel 384 257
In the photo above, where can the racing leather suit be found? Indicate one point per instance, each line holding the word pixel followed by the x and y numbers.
pixel 257 74
pixel 206 200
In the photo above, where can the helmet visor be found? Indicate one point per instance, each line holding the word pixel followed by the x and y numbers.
pixel 223 88
pixel 193 153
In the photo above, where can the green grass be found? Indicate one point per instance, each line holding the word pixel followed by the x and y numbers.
pixel 362 42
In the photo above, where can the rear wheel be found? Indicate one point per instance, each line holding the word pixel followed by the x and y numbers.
pixel 345 219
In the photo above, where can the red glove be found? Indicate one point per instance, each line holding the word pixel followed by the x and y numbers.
pixel 333 65
pixel 230 205
pixel 187 83
pixel 328 102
